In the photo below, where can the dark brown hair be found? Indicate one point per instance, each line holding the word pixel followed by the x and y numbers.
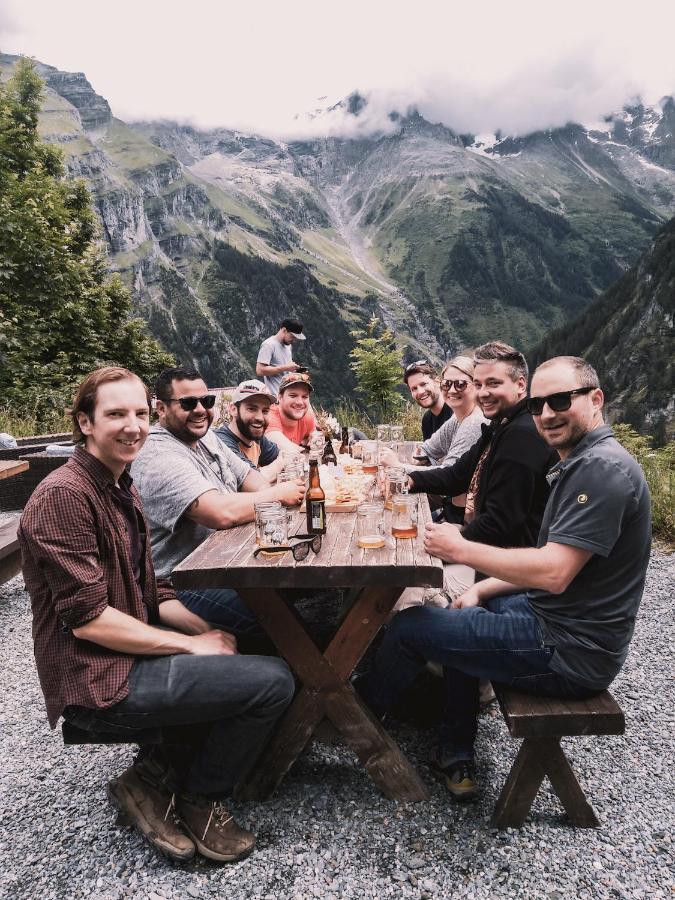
pixel 422 367
pixel 84 400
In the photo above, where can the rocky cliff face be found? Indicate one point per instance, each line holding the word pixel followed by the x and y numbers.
pixel 451 239
pixel 628 335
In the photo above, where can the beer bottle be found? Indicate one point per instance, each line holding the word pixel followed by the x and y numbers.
pixel 345 448
pixel 315 501
pixel 329 458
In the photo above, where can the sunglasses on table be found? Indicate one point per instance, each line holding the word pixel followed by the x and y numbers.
pixel 300 550
pixel 559 402
pixel 458 385
pixel 189 404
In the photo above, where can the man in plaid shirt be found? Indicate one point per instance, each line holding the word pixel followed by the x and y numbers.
pixel 116 651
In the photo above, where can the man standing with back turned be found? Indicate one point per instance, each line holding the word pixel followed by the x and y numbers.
pixel 103 662
pixel 555 619
pixel 275 357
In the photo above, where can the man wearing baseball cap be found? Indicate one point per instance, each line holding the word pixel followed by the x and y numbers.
pixel 275 357
pixel 292 421
pixel 244 434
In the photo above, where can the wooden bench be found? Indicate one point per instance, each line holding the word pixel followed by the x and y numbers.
pixel 542 722
pixel 173 734
pixel 10 556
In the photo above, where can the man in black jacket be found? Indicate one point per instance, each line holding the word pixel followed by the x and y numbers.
pixel 504 474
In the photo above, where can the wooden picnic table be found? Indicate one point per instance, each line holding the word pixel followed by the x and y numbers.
pixel 10 467
pixel 376 579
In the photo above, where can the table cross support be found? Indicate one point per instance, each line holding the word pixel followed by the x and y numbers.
pixel 327 692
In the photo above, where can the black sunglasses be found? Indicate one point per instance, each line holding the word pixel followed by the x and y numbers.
pixel 300 550
pixel 556 402
pixel 458 385
pixel 189 404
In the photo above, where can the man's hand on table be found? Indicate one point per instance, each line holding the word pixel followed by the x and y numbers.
pixel 213 643
pixel 389 459
pixel 291 493
pixel 443 540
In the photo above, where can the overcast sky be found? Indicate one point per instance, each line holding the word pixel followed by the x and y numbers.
pixel 477 67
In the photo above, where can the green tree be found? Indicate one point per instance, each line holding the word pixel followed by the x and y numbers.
pixel 61 314
pixel 377 362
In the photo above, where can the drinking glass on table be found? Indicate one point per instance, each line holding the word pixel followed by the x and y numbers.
pixel 271 526
pixel 404 516
pixel 370 526
pixel 383 434
pixel 369 457
pixel 396 484
pixel 317 441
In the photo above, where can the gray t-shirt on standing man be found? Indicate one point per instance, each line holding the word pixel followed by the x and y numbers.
pixel 600 502
pixel 274 352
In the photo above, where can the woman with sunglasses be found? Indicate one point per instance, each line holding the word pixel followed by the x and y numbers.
pixel 459 433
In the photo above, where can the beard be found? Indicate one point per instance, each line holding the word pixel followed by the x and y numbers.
pixel 245 429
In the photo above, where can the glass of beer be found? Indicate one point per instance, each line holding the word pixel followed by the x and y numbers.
pixel 396 483
pixel 396 434
pixel 404 516
pixel 370 526
pixel 369 457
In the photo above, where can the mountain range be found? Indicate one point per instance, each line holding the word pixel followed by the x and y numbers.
pixel 451 239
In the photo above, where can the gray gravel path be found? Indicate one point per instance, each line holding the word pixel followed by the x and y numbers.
pixel 328 832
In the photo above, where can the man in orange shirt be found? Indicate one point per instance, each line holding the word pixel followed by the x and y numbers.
pixel 292 421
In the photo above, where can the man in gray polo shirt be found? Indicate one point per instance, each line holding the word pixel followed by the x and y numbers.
pixel 555 619
pixel 275 356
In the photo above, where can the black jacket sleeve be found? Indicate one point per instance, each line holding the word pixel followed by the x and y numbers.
pixel 514 474
pixel 449 480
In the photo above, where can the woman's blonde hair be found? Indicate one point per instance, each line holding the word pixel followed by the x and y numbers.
pixel 463 363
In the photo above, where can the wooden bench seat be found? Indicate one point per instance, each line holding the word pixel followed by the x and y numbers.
pixel 541 722
pixel 10 555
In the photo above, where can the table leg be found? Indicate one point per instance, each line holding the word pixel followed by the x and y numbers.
pixel 327 692
pixel 286 744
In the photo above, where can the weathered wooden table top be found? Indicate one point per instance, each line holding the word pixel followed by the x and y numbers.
pixel 225 559
pixel 9 467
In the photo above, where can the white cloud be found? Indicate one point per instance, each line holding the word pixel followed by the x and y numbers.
pixel 515 66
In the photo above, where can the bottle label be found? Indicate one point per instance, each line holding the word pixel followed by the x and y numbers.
pixel 318 515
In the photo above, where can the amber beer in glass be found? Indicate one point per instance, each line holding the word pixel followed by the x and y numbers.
pixel 404 516
pixel 369 457
pixel 315 500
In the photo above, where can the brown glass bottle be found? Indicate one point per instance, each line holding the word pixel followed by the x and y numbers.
pixel 329 458
pixel 345 447
pixel 316 501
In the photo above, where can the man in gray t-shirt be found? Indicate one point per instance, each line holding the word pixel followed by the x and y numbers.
pixel 275 356
pixel 191 484
pixel 555 619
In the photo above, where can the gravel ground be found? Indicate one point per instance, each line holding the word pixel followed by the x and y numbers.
pixel 328 832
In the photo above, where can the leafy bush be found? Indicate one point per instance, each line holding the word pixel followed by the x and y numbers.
pixel 377 364
pixel 659 468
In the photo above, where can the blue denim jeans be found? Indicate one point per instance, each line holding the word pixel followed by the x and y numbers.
pixel 501 641
pixel 231 702
pixel 224 608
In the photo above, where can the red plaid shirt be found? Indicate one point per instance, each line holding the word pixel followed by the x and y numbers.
pixel 76 559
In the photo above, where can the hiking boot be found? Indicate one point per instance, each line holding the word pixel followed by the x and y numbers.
pixel 151 811
pixel 459 779
pixel 213 829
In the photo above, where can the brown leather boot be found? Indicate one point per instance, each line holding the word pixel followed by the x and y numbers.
pixel 150 810
pixel 213 829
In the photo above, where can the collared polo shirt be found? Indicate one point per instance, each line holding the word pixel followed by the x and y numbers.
pixel 599 502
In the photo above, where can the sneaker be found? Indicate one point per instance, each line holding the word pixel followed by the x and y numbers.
pixel 459 779
pixel 213 829
pixel 151 811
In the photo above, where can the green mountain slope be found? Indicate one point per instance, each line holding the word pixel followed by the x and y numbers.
pixel 628 336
